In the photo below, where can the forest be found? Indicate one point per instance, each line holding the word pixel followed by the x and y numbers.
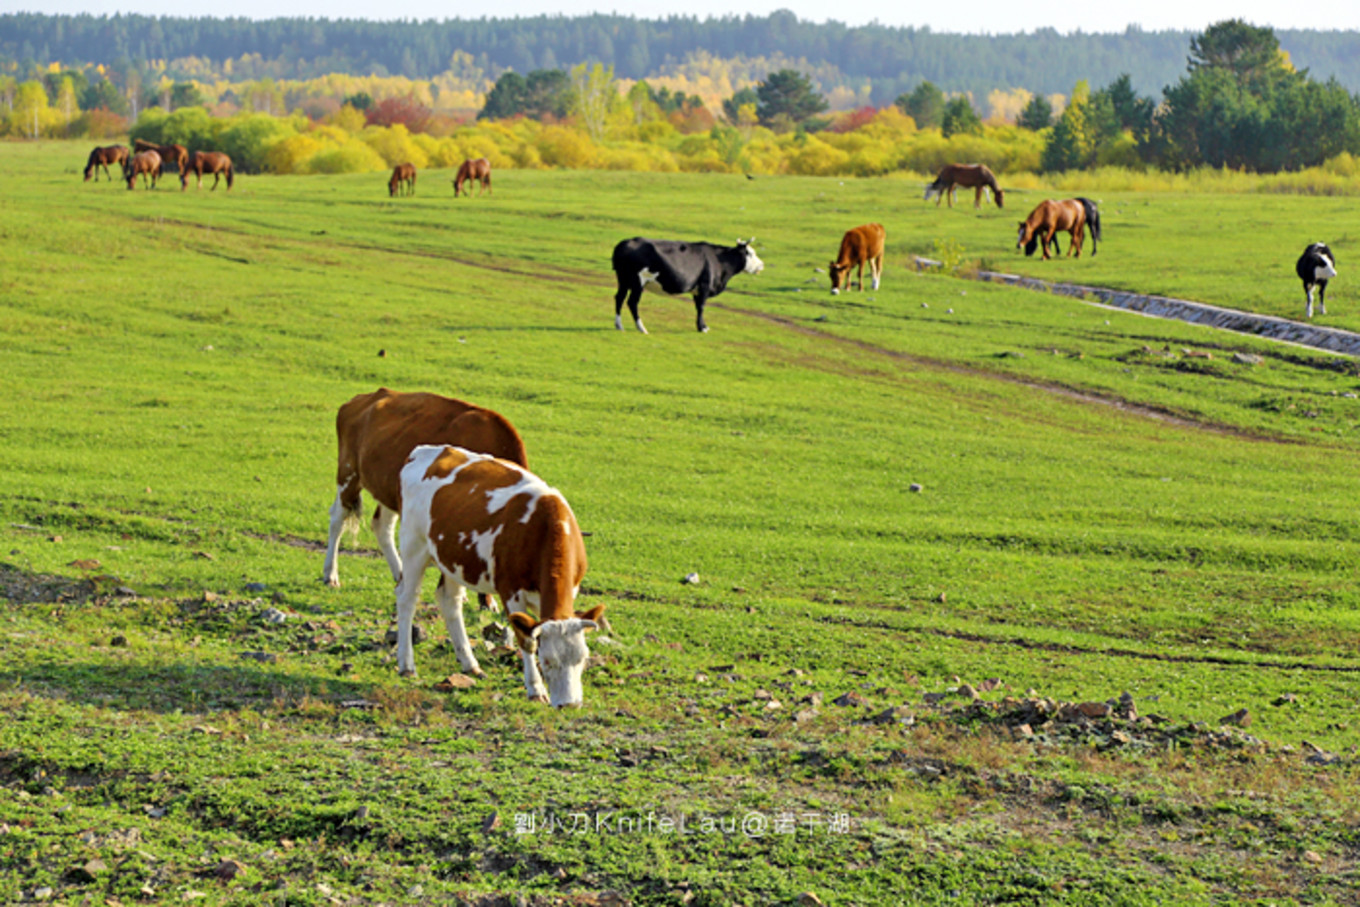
pixel 876 62
pixel 1241 103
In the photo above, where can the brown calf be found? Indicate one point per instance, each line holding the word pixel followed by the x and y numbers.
pixel 858 246
pixel 495 527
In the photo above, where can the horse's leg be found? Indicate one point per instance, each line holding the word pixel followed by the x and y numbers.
pixel 953 191
pixel 977 197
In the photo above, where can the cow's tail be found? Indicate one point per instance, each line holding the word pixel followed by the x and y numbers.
pixel 1092 221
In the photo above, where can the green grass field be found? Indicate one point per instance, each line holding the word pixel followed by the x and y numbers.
pixel 1099 512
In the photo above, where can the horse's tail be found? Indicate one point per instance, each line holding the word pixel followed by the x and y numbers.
pixel 1092 221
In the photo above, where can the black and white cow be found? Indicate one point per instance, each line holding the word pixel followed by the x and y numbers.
pixel 700 268
pixel 1315 267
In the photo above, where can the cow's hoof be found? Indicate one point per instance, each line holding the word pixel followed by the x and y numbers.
pixel 478 673
pixel 539 697
pixel 334 583
pixel 406 672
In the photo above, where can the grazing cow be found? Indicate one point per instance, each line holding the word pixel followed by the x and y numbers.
pixel 376 433
pixel 492 526
pixel 145 163
pixel 1315 267
pixel 976 176
pixel 403 181
pixel 679 267
pixel 858 246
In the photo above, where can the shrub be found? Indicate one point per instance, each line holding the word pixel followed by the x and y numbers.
pixel 395 146
pixel 352 157
pixel 248 139
pixel 566 148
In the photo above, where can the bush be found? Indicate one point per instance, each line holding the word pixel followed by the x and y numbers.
pixel 566 148
pixel 395 146
pixel 247 139
pixel 352 157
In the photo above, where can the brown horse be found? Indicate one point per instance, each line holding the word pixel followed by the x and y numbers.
pixel 102 157
pixel 214 163
pixel 174 155
pixel 975 176
pixel 1050 217
pixel 479 169
pixel 147 164
pixel 403 178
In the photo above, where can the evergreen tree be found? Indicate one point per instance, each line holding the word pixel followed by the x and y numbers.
pixel 788 93
pixel 1036 115
pixel 959 116
pixel 506 99
pixel 925 105
pixel 733 105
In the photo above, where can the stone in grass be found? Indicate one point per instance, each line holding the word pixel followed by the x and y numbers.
pixel 1286 699
pixel 229 869
pixel 417 635
pixel 1239 718
pixel 915 487
pixel 852 698
pixel 691 579
pixel 455 682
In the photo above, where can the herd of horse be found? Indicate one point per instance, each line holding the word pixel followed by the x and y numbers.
pixel 149 160
pixel 403 181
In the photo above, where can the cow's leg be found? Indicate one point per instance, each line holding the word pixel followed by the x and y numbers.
pixel 534 686
pixel 450 596
pixel 385 528
pixel 408 591
pixel 876 270
pixel 634 294
pixel 344 516
pixel 1322 297
pixel 861 275
pixel 699 300
pixel 619 297
pixel 1308 289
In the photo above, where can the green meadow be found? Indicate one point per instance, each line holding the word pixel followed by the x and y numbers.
pixel 894 501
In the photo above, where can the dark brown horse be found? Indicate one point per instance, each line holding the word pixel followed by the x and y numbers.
pixel 974 176
pixel 214 163
pixel 147 164
pixel 479 170
pixel 403 181
pixel 1047 220
pixel 171 155
pixel 102 157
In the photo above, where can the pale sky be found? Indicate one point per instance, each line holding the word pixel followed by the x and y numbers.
pixel 975 16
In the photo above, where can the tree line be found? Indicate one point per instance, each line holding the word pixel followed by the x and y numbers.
pixel 892 59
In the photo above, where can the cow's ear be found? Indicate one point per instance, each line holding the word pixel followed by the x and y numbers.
pixel 524 625
pixel 593 616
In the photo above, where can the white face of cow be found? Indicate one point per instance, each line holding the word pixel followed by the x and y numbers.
pixel 562 655
pixel 753 263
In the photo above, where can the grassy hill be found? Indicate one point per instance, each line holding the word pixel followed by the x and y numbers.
pixel 1099 512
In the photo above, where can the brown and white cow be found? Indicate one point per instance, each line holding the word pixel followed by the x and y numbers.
pixel 377 432
pixel 495 527
pixel 859 245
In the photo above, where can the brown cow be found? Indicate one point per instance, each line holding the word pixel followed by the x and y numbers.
pixel 858 246
pixel 493 526
pixel 403 178
pixel 377 432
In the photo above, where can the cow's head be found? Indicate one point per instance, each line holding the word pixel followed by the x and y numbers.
pixel 753 263
pixel 838 272
pixel 560 646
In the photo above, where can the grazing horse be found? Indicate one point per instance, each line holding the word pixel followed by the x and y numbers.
pixel 145 163
pixel 177 155
pixel 975 176
pixel 102 157
pixel 1047 219
pixel 1315 267
pixel 403 178
pixel 479 170
pixel 214 163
